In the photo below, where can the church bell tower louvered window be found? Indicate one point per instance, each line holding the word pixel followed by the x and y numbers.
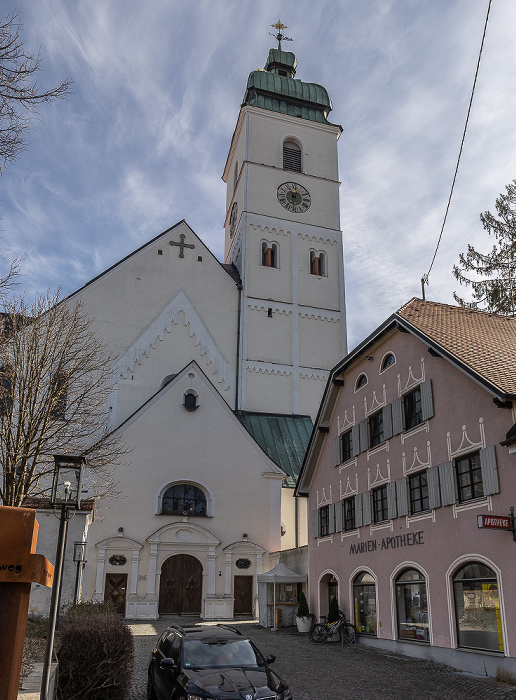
pixel 291 156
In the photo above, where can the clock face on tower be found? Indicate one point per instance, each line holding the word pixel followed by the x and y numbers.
pixel 294 197
pixel 233 219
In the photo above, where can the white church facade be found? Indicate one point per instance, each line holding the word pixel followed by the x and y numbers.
pixel 221 368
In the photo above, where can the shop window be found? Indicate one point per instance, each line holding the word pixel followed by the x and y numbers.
pixel 270 254
pixel 412 606
pixel 364 595
pixel 388 360
pixel 361 381
pixel 292 156
pixel 346 441
pixel 418 485
pixel 412 408
pixel 477 608
pixel 324 521
pixel 376 436
pixel 183 499
pixel 469 477
pixel 348 514
pixel 380 504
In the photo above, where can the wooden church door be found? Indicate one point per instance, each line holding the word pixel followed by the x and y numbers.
pixel 180 589
pixel 243 595
pixel 115 590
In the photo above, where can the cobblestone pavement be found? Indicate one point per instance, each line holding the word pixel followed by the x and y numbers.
pixel 332 672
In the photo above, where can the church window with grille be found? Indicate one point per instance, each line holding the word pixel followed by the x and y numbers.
pixel 292 156
pixel 318 263
pixel 184 499
pixel 59 395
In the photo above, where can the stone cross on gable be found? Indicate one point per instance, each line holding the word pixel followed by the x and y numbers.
pixel 182 245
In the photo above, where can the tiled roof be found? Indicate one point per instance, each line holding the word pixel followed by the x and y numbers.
pixel 283 438
pixel 484 342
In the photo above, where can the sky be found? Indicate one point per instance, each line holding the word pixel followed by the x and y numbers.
pixel 142 140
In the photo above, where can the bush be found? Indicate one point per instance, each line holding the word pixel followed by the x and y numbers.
pixel 333 613
pixel 96 655
pixel 302 608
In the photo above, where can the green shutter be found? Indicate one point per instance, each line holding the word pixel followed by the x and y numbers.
pixel 402 496
pixel 366 508
pixel 434 494
pixel 397 416
pixel 338 516
pixel 364 439
pixel 392 511
pixel 315 523
pixel 355 441
pixel 447 484
pixel 489 470
pixel 331 518
pixel 427 401
pixel 358 510
pixel 336 451
pixel 387 421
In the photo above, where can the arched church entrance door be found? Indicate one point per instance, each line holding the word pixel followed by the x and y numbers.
pixel 180 589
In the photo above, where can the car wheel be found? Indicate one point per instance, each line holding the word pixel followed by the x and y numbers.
pixel 318 634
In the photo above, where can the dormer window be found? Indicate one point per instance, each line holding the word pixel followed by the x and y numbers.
pixel 292 156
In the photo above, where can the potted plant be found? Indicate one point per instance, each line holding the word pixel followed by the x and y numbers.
pixel 304 618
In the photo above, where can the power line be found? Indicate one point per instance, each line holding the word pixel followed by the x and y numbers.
pixel 424 279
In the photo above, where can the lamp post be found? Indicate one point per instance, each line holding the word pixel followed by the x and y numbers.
pixel 79 552
pixel 66 492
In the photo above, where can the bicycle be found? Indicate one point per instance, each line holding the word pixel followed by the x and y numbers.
pixel 322 631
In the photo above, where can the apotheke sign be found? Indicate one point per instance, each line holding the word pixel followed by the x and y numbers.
pixel 394 542
pixel 497 522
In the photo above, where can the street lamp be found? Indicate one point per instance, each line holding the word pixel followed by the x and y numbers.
pixel 79 553
pixel 66 492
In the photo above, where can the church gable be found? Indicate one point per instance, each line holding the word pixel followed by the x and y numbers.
pixel 169 342
pixel 138 288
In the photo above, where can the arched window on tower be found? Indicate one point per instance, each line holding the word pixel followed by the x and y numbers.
pixel 270 254
pixel 292 156
pixel 318 263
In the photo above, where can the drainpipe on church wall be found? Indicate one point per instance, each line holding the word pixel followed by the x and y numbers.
pixel 239 287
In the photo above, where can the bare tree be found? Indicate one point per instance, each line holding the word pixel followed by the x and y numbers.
pixel 494 273
pixel 54 385
pixel 20 94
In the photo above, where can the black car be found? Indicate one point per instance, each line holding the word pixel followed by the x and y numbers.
pixel 211 662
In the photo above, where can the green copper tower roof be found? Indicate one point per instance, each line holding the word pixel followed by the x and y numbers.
pixel 275 88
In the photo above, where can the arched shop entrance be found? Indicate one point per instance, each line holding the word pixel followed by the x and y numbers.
pixel 180 590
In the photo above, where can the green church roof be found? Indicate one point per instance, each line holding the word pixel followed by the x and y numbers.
pixel 283 438
pixel 275 88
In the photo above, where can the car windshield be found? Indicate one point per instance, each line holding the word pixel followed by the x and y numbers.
pixel 220 654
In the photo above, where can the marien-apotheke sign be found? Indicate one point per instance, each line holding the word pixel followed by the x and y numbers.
pixel 394 542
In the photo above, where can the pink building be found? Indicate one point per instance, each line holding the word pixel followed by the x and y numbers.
pixel 412 448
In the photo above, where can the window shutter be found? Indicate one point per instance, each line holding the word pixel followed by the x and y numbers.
pixel 358 510
pixel 336 451
pixel 434 495
pixel 489 470
pixel 331 518
pixel 427 401
pixel 447 482
pixel 392 511
pixel 366 508
pixel 338 516
pixel 355 441
pixel 364 440
pixel 315 523
pixel 402 496
pixel 387 421
pixel 397 416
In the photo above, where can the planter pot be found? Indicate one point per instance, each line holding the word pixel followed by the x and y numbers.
pixel 303 623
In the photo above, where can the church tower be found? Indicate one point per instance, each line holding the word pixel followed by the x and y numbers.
pixel 282 232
